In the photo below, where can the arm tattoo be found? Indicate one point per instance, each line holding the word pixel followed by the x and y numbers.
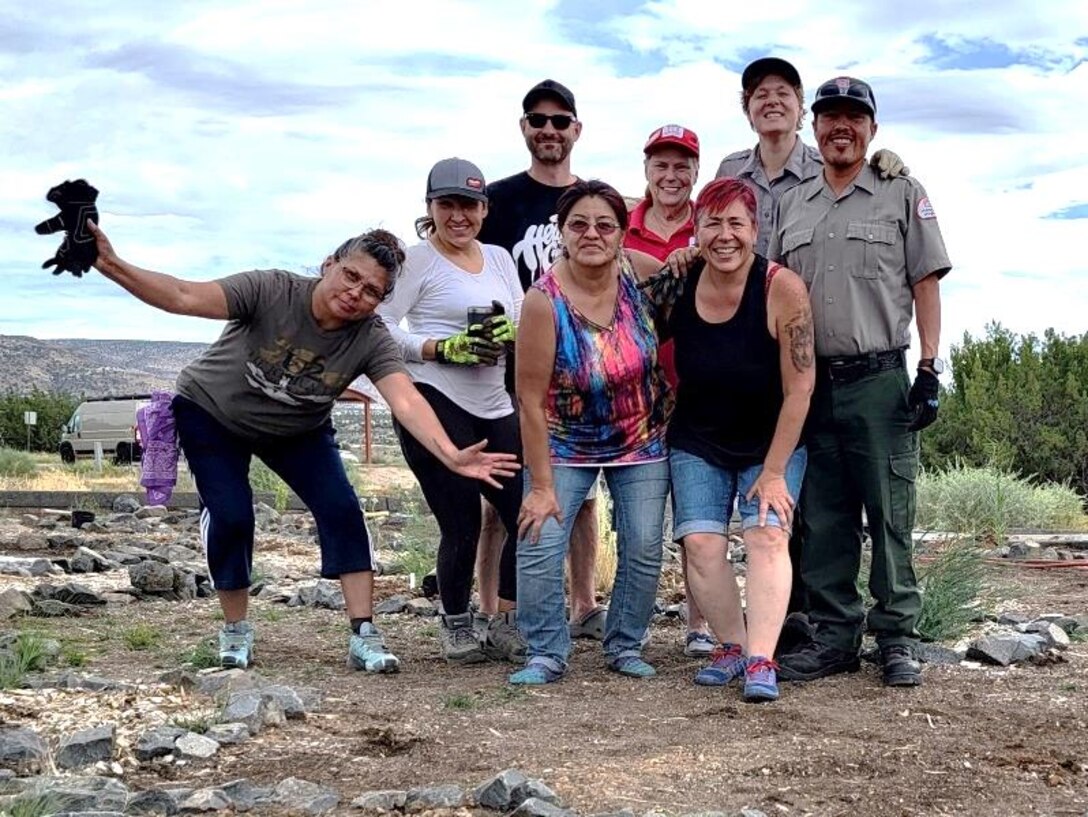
pixel 799 331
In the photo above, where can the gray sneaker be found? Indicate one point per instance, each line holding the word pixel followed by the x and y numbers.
pixel 236 645
pixel 459 642
pixel 366 651
pixel 503 641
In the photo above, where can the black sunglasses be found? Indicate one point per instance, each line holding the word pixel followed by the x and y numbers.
pixel 855 90
pixel 560 121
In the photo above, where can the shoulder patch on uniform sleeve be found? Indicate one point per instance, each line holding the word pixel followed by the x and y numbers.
pixel 925 209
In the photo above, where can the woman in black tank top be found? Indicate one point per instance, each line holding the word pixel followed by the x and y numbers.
pixel 744 358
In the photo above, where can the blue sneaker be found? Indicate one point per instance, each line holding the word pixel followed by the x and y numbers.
pixel 699 644
pixel 236 645
pixel 726 664
pixel 760 680
pixel 632 666
pixel 535 673
pixel 366 651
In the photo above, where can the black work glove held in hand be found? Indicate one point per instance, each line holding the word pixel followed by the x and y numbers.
pixel 923 399
pixel 78 249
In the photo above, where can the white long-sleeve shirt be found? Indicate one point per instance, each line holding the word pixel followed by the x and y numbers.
pixel 433 296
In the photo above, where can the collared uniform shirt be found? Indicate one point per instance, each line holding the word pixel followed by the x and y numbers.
pixel 804 163
pixel 860 254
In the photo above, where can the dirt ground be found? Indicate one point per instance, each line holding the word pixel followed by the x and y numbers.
pixel 972 740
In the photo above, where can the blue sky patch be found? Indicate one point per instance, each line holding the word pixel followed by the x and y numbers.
pixel 1073 211
pixel 978 54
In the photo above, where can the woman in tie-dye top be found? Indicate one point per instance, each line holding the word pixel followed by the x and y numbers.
pixel 593 399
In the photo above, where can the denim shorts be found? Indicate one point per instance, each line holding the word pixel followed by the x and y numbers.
pixel 703 494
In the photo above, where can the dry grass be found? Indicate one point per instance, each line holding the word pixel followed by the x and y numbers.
pixel 606 545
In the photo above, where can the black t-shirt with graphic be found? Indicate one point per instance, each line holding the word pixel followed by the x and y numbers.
pixel 521 219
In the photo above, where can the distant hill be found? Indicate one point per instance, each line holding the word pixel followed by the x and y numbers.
pixel 97 368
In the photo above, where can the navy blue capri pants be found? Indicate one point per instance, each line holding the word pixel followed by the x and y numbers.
pixel 309 463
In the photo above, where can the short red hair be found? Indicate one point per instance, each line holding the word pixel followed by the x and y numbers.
pixel 720 193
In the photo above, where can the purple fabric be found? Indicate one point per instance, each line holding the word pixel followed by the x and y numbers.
pixel 159 462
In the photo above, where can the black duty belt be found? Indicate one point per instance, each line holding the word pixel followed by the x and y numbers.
pixel 855 367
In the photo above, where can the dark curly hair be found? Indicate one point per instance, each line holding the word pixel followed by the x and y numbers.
pixel 382 246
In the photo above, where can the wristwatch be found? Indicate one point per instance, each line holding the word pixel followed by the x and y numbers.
pixel 934 364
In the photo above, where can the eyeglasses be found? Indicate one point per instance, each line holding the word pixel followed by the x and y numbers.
pixel 604 228
pixel 354 281
pixel 560 121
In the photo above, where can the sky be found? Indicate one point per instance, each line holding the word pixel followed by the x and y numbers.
pixel 232 135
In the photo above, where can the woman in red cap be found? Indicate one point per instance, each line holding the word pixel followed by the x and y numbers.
pixel 660 223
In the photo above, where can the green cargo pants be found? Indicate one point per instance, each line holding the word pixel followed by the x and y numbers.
pixel 860 455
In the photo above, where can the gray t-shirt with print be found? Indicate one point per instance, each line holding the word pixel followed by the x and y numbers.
pixel 274 371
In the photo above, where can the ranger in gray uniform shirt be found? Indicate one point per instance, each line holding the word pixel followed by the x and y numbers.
pixel 871 253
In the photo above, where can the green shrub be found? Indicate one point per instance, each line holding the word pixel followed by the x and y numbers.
pixel 141 637
pixel 26 654
pixel 16 463
pixel 264 480
pixel 990 501
pixel 204 655
pixel 953 588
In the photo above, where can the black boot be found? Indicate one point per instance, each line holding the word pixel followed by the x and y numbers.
pixel 815 660
pixel 901 668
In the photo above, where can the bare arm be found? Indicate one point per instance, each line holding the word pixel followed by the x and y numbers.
pixel 927 314
pixel 789 318
pixel 416 415
pixel 644 264
pixel 202 299
pixel 535 363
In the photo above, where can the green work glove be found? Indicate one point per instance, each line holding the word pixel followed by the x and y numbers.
pixel 500 329
pixel 464 349
pixel 888 164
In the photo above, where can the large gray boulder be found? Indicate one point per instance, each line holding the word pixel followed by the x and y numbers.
pixel 21 750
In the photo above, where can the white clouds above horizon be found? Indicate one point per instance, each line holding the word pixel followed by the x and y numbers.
pixel 231 135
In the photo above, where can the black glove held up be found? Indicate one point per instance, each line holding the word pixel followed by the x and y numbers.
pixel 78 249
pixel 923 399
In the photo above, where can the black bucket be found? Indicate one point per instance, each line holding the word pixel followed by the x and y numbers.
pixel 81 518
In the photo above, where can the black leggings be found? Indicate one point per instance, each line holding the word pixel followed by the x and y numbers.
pixel 455 500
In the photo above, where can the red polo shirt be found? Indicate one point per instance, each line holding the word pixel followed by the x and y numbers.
pixel 641 239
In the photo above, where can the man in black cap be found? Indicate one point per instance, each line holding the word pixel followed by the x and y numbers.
pixel 773 100
pixel 871 253
pixel 521 218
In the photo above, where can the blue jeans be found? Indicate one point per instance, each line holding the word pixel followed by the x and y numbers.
pixel 638 495
pixel 703 493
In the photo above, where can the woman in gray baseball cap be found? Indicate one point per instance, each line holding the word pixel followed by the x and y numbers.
pixel 461 301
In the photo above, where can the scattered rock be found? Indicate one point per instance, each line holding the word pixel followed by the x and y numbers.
pixel 86 560
pixel 152 577
pixel 127 554
pixel 380 801
pixel 498 792
pixel 226 734
pixel 86 747
pixel 65 540
pixel 1006 648
pixel 157 742
pixel 154 801
pixel 213 680
pixel 939 654
pixel 422 607
pixel 16 566
pixel 73 680
pixel 253 709
pixel 1068 623
pixel 322 593
pixel 193 745
pixel 1055 636
pixel 391 605
pixel 151 512
pixel 534 789
pixel 76 594
pixel 51 608
pixel 31 540
pixel 1012 619
pixel 309 798
pixel 126 504
pixel 15 602
pixel 204 800
pixel 287 699
pixel 83 794
pixel 245 795
pixel 539 808
pixel 21 750
pixel 177 552
pixel 434 797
